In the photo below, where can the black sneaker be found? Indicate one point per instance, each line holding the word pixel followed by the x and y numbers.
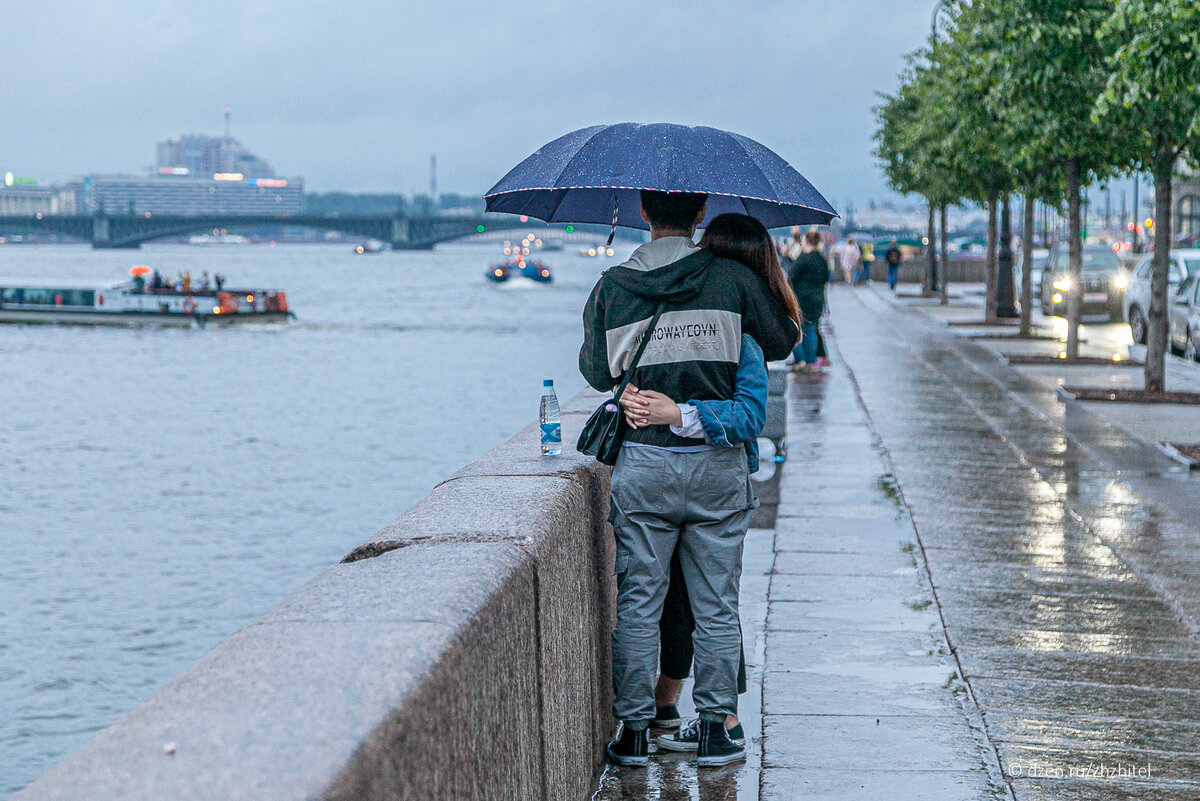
pixel 688 737
pixel 630 747
pixel 666 717
pixel 715 747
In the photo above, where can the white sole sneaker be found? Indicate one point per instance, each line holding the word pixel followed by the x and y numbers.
pixel 724 759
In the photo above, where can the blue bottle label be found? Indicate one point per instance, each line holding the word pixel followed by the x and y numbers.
pixel 551 433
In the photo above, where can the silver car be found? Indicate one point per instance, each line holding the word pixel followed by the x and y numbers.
pixel 1184 316
pixel 1137 294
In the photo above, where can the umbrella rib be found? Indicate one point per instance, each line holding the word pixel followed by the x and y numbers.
pixel 766 174
pixel 571 161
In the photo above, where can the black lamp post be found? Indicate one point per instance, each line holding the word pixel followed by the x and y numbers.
pixel 933 280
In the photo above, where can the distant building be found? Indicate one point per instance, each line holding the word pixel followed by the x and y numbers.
pixel 20 200
pixel 203 155
pixel 1186 191
pixel 120 195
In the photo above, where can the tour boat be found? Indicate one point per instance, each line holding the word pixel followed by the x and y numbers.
pixel 521 269
pixel 126 303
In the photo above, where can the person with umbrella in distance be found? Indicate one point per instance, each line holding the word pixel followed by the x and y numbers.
pixel 691 308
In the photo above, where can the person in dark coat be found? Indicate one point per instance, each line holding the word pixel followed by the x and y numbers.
pixel 893 259
pixel 808 275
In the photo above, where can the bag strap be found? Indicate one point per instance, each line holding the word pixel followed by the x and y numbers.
pixel 637 357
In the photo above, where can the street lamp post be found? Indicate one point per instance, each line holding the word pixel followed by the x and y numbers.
pixel 932 279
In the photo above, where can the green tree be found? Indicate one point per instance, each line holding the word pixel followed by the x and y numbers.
pixel 977 129
pixel 912 146
pixel 1154 91
pixel 1050 69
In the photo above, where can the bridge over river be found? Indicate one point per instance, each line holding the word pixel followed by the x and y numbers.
pixel 401 231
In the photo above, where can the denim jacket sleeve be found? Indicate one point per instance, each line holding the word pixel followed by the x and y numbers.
pixel 729 423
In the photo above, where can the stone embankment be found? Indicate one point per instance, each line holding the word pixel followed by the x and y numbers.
pixel 462 652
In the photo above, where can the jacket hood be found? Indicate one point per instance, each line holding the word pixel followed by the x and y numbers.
pixel 671 269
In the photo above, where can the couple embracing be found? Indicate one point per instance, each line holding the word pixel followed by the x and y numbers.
pixel 681 495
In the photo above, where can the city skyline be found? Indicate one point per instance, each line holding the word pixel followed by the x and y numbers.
pixel 360 102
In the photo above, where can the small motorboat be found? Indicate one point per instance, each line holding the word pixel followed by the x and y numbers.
pixel 520 269
pixel 371 246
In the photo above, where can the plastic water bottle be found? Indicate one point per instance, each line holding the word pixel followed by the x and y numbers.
pixel 550 421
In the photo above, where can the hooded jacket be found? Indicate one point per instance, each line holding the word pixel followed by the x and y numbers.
pixel 695 349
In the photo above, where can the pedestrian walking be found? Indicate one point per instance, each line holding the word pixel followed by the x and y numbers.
pixel 893 259
pixel 808 277
pixel 668 490
pixel 868 257
pixel 850 259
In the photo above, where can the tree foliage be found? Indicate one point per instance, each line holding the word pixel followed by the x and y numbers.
pixel 1153 93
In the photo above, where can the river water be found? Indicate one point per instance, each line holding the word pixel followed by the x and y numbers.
pixel 161 487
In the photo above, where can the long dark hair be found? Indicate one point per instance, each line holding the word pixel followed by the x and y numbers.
pixel 744 239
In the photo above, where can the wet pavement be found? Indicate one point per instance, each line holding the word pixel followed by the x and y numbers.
pixel 972 590
pixel 1065 555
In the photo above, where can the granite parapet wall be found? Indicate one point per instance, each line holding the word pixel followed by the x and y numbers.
pixel 461 652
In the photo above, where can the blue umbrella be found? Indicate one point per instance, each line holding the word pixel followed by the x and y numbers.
pixel 594 175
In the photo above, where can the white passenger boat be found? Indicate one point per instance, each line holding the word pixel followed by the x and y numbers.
pixel 125 303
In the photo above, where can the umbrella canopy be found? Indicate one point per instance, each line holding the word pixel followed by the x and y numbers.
pixel 139 269
pixel 584 176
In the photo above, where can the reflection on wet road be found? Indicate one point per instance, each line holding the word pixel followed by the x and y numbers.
pixel 1070 601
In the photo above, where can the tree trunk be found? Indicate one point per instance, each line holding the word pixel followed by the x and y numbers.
pixel 1004 278
pixel 931 270
pixel 1075 265
pixel 990 297
pixel 1156 335
pixel 945 259
pixel 1027 264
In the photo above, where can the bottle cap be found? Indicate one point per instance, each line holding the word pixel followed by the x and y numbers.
pixel 548 382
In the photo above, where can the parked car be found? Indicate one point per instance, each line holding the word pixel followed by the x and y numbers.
pixel 1183 314
pixel 1104 282
pixel 1137 296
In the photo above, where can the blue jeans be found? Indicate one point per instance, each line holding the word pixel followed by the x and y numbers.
pixel 893 275
pixel 806 350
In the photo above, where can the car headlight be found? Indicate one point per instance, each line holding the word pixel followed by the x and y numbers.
pixel 1063 284
pixel 1121 281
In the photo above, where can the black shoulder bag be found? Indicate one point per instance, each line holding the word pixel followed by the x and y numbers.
pixel 604 431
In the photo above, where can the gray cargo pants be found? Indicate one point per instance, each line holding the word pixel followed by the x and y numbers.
pixel 703 502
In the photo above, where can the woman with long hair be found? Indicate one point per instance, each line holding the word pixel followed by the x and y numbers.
pixel 722 424
pixel 746 240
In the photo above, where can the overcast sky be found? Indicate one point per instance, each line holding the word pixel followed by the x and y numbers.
pixel 356 95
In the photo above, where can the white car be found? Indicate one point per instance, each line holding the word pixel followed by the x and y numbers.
pixel 1137 294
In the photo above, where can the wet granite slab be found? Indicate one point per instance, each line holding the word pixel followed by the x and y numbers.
pixel 882 564
pixel 1102 790
pixel 1087 700
pixel 823 784
pixel 853 743
pixel 1076 733
pixel 1182 674
pixel 1117 645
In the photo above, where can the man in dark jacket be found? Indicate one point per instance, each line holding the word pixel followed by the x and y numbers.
pixel 808 275
pixel 893 258
pixel 666 488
